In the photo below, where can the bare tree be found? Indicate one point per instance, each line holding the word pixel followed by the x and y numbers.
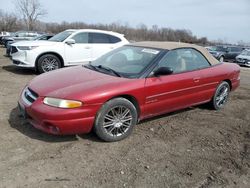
pixel 8 21
pixel 31 10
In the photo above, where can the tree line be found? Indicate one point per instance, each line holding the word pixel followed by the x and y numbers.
pixel 10 22
pixel 28 13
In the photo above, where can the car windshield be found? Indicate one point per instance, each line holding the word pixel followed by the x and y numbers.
pixel 246 53
pixel 60 37
pixel 126 61
pixel 39 37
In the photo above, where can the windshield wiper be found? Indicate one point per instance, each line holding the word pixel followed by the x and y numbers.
pixel 109 70
pixel 90 66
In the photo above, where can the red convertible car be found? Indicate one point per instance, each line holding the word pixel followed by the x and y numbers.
pixel 113 93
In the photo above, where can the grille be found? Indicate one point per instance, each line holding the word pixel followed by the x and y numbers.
pixel 13 49
pixel 29 96
pixel 240 60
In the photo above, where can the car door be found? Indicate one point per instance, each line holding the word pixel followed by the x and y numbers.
pixel 178 90
pixel 80 52
pixel 102 43
pixel 231 52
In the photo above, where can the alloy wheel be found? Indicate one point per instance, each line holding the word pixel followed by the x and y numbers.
pixel 222 96
pixel 49 64
pixel 117 121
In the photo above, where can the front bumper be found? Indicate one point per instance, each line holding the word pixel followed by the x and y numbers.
pixel 243 63
pixel 24 58
pixel 58 121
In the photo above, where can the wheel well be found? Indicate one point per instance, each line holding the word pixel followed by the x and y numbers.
pixel 133 100
pixel 53 53
pixel 221 56
pixel 229 82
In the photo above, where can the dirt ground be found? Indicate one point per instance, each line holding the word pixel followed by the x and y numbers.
pixel 196 147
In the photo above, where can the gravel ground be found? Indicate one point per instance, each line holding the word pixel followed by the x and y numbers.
pixel 196 147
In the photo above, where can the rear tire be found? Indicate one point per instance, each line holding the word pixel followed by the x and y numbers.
pixel 115 120
pixel 221 95
pixel 48 62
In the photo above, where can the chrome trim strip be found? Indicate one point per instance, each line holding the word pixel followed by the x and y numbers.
pixel 179 90
pixel 24 98
pixel 27 92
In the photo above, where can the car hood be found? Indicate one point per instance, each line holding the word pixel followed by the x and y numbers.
pixel 243 57
pixel 75 83
pixel 35 43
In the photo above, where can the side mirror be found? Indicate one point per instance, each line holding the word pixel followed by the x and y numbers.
pixel 163 71
pixel 70 41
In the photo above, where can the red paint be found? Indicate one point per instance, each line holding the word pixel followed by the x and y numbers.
pixel 156 95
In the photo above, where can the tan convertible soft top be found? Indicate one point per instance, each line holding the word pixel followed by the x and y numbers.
pixel 176 45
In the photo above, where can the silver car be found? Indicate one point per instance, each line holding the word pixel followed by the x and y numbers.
pixel 244 58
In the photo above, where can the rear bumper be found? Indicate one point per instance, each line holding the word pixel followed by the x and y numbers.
pixel 235 83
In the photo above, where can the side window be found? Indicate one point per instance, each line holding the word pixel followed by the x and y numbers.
pixel 21 34
pixel 182 60
pixel 114 39
pixel 31 35
pixel 81 38
pixel 235 49
pixel 229 49
pixel 199 61
pixel 99 38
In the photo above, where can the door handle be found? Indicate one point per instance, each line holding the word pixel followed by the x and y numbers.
pixel 111 47
pixel 196 79
pixel 87 47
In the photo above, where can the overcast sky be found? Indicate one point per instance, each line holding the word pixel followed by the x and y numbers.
pixel 216 19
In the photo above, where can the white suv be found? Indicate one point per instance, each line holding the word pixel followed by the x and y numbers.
pixel 70 47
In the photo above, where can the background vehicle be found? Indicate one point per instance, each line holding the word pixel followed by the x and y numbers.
pixel 244 58
pixel 41 37
pixel 128 84
pixel 19 36
pixel 3 34
pixel 225 53
pixel 71 47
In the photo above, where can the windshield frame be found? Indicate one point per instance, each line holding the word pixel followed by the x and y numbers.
pixel 143 73
pixel 67 32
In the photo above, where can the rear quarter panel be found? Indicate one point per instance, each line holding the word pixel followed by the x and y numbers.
pixel 222 72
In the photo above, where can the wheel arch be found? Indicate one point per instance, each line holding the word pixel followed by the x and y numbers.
pixel 221 55
pixel 46 53
pixel 229 82
pixel 132 99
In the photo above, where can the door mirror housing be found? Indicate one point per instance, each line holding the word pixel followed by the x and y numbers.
pixel 70 41
pixel 161 71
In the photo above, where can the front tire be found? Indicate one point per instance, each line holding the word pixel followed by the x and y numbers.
pixel 221 59
pixel 115 120
pixel 48 62
pixel 221 95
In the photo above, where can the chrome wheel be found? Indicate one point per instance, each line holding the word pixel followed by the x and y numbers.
pixel 117 121
pixel 49 64
pixel 222 96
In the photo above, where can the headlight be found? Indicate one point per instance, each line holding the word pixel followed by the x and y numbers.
pixel 26 47
pixel 62 103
